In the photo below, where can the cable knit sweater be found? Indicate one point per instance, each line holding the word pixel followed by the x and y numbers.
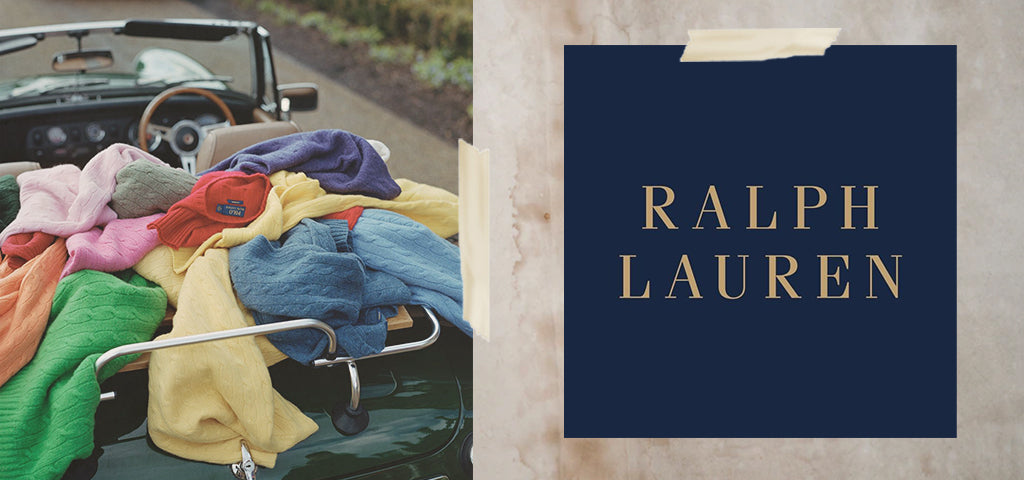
pixel 22 247
pixel 343 162
pixel 25 296
pixel 296 196
pixel 64 200
pixel 144 188
pixel 312 274
pixel 121 244
pixel 204 399
pixel 47 410
pixel 9 204
pixel 426 263
pixel 157 267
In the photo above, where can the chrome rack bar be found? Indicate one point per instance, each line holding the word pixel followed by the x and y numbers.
pixel 353 374
pixel 149 346
pixel 273 328
pixel 354 418
pixel 393 349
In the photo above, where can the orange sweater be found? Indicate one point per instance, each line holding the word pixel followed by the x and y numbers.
pixel 26 293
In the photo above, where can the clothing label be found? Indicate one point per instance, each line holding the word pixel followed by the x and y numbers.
pixel 236 202
pixel 230 210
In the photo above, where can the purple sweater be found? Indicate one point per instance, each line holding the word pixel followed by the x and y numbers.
pixel 343 162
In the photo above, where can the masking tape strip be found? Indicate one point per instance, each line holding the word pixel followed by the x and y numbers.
pixel 475 236
pixel 756 44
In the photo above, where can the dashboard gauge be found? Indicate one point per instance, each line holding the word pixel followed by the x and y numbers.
pixel 56 135
pixel 95 133
pixel 152 141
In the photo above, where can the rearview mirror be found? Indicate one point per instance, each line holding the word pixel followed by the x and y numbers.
pixel 83 60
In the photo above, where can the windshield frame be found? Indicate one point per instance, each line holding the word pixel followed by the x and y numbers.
pixel 263 82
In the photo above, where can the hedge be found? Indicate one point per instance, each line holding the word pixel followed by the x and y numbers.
pixel 427 24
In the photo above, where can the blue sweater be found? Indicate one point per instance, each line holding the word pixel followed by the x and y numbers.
pixel 352 280
pixel 310 273
pixel 428 264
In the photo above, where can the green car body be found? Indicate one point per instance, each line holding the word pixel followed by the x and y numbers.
pixel 421 420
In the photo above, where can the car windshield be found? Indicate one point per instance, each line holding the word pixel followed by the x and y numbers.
pixel 138 62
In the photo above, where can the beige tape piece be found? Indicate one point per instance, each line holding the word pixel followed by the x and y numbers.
pixel 756 44
pixel 475 236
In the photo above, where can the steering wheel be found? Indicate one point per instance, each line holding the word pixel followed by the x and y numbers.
pixel 186 135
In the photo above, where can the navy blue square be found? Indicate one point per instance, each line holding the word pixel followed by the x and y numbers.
pixel 871 120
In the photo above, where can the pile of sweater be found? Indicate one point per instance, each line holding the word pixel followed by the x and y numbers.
pixel 310 225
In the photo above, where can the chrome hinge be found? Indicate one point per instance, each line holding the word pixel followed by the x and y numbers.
pixel 246 469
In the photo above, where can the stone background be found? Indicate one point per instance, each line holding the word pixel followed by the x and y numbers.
pixel 518 115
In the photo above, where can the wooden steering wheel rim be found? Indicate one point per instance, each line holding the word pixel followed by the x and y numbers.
pixel 158 100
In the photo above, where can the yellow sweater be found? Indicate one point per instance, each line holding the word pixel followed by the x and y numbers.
pixel 157 267
pixel 204 399
pixel 296 196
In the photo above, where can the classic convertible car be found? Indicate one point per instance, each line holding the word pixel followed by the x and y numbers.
pixel 175 88
pixel 68 91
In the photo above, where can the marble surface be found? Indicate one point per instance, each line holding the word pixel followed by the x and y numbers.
pixel 518 115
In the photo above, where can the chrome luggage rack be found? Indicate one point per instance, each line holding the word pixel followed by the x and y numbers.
pixel 348 419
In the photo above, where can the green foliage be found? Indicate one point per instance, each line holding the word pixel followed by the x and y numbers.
pixel 425 24
pixel 335 28
pixel 313 20
pixel 343 34
pixel 266 6
pixel 434 68
pixel 283 13
pixel 405 54
pixel 435 38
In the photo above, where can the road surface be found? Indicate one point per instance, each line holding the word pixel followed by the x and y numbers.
pixel 415 153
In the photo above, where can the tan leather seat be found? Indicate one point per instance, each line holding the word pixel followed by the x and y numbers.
pixel 17 168
pixel 224 142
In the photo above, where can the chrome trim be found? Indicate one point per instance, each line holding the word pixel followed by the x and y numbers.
pixel 219 335
pixel 393 349
pixel 353 373
pixel 62 29
pixel 149 346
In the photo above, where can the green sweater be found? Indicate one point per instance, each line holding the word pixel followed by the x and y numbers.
pixel 47 409
pixel 9 201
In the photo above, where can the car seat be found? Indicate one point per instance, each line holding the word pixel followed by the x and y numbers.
pixel 223 142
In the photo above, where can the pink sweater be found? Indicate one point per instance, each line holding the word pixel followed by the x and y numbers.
pixel 120 245
pixel 64 200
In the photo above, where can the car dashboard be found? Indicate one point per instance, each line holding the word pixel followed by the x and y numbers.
pixel 73 132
